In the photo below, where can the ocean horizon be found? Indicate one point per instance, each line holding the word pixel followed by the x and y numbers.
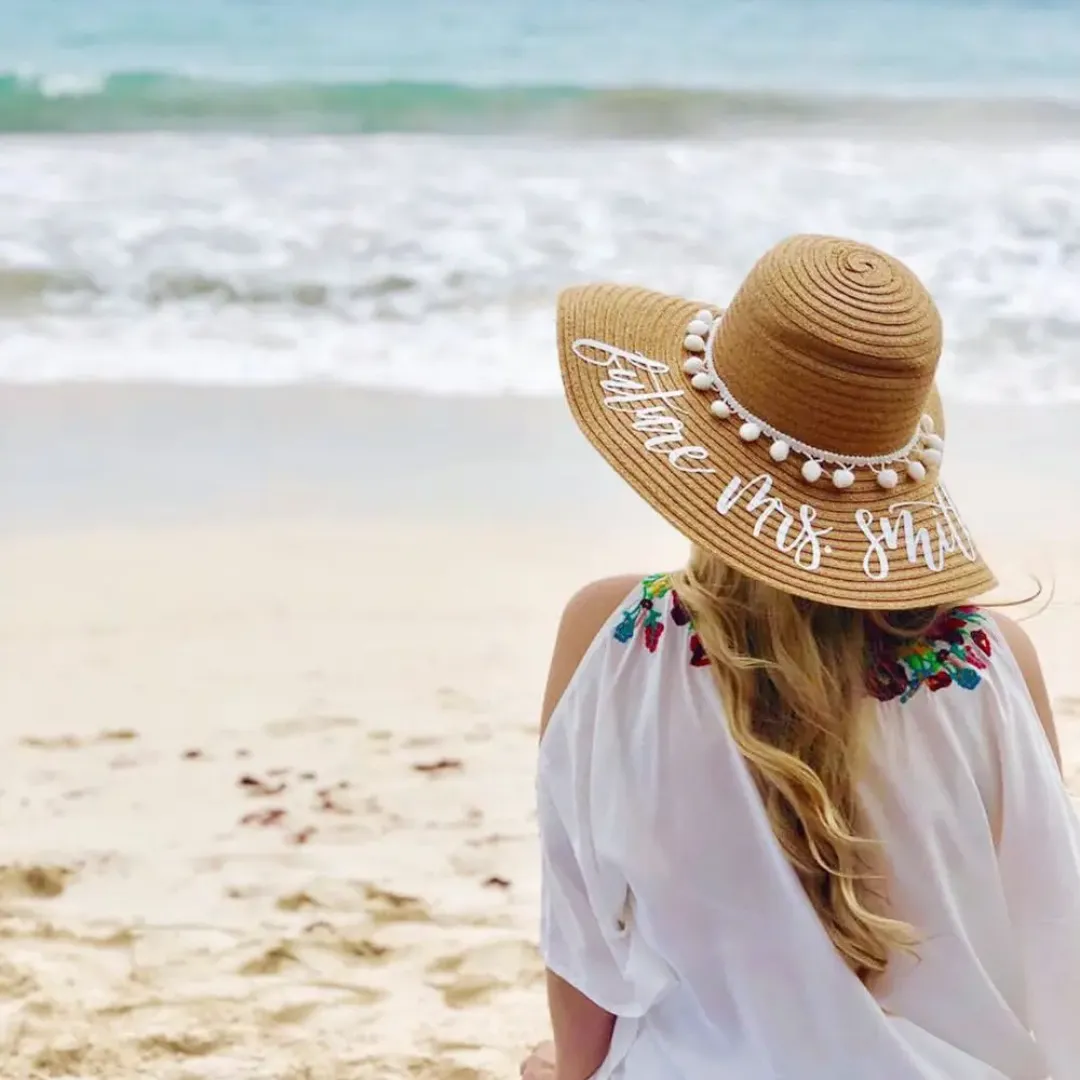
pixel 239 192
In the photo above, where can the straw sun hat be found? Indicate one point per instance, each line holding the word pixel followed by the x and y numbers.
pixel 797 434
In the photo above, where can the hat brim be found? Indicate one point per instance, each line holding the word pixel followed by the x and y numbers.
pixel 862 547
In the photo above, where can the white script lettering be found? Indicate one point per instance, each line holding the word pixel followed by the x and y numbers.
pixel 633 385
pixel 898 532
pixel 805 547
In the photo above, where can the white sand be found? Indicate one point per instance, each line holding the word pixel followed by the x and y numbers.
pixel 385 701
pixel 364 906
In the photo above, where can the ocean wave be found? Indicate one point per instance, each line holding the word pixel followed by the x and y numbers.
pixel 433 264
pixel 138 102
pixel 22 289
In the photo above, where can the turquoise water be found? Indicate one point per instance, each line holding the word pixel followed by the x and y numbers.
pixel 145 102
pixel 638 42
pixel 390 193
pixel 370 65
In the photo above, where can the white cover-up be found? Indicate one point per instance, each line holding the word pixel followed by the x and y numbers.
pixel 667 901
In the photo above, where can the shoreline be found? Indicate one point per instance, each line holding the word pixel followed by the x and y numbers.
pixel 83 452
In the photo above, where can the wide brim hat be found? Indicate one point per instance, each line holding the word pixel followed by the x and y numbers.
pixel 796 434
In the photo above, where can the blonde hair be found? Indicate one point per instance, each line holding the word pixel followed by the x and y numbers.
pixel 792 674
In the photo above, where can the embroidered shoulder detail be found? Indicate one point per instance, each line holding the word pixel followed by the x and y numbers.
pixel 955 652
pixel 646 616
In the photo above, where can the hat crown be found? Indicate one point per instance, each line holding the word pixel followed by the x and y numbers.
pixel 834 342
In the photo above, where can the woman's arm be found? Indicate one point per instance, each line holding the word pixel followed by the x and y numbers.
pixel 581 1028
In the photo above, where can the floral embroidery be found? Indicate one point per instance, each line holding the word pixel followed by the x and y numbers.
pixel 955 651
pixel 644 615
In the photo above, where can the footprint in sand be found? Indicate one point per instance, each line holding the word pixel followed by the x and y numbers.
pixel 57 1060
pixel 293 1014
pixel 33 882
pixel 312 948
pixel 183 1044
pixel 384 906
pixel 121 938
pixel 296 901
pixel 380 905
pixel 75 742
pixel 272 961
pixel 474 976
pixel 339 940
pixel 14 982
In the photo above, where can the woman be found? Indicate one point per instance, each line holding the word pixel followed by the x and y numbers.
pixel 800 809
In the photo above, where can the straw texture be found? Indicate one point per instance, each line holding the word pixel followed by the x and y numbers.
pixel 835 340
pixel 832 342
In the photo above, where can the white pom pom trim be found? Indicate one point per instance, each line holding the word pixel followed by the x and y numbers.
pixel 910 461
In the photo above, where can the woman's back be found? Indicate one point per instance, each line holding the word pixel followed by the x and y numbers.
pixel 799 820
pixel 670 903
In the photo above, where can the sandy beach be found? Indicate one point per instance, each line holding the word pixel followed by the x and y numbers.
pixel 290 504
pixel 268 703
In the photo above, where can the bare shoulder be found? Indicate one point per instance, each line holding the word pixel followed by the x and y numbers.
pixel 585 613
pixel 1027 659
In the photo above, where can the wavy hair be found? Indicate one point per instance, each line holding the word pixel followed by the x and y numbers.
pixel 793 676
